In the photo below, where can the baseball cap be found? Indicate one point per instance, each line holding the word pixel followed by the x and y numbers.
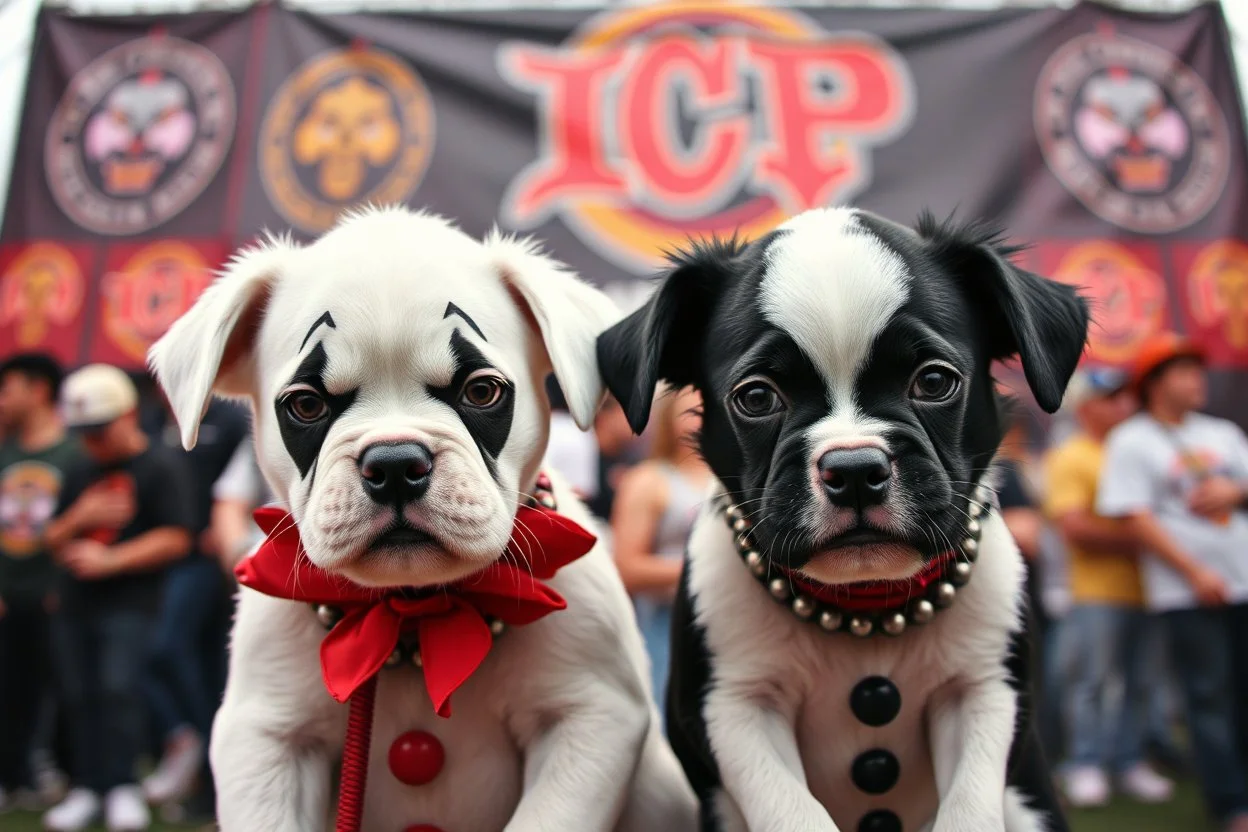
pixel 97 395
pixel 1160 349
pixel 1089 384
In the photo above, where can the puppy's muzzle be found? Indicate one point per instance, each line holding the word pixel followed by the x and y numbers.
pixel 855 478
pixel 395 475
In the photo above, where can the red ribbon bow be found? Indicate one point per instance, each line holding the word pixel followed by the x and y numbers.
pixel 449 620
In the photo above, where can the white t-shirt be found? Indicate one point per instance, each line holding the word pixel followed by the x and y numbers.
pixel 1154 467
pixel 573 453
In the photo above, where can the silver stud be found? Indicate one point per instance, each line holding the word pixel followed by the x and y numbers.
pixel 975 509
pixel 546 500
pixel 327 615
pixel 982 494
pixel 740 524
pixel 970 547
pixel 922 612
pixel 961 573
pixel 860 627
pixel 417 661
pixel 830 620
pixel 497 625
pixel 945 593
pixel 779 589
pixel 803 607
pixel 732 513
pixel 894 624
pixel 755 561
pixel 396 657
pixel 973 528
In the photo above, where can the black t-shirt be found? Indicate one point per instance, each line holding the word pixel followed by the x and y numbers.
pixel 160 481
pixel 224 427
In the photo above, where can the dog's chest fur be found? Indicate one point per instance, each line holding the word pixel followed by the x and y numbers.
pixel 756 648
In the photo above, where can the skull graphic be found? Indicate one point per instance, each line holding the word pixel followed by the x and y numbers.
pixel 348 129
pixel 145 125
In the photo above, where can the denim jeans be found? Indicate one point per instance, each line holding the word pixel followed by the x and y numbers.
pixel 179 686
pixel 24 677
pixel 1209 648
pixel 1105 642
pixel 101 654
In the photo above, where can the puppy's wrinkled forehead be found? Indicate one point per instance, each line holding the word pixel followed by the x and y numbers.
pixel 832 282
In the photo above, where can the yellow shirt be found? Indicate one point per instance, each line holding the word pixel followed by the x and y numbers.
pixel 1072 470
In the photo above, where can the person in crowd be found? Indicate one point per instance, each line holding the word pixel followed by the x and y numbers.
pixel 570 450
pixel 236 494
pixel 654 510
pixel 1106 632
pixel 618 450
pixel 32 468
pixel 1179 479
pixel 123 515
pixel 189 634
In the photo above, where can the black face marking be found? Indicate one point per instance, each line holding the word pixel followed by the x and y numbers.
pixel 489 427
pixel 326 319
pixel 452 309
pixel 966 307
pixel 303 441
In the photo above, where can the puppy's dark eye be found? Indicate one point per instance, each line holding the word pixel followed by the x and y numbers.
pixel 757 398
pixel 306 407
pixel 935 383
pixel 482 391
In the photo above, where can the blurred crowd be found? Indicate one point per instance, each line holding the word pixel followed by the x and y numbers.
pixel 116 551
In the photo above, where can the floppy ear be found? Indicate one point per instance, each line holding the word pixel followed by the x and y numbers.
pixel 1043 322
pixel 662 340
pixel 211 346
pixel 569 315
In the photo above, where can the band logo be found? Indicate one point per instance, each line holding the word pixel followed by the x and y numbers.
pixel 699 118
pixel 151 291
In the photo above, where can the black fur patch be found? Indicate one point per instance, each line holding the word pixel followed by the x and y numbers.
pixel 490 427
pixel 452 309
pixel 303 441
pixel 326 319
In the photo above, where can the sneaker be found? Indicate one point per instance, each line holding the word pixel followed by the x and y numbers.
pixel 1142 783
pixel 1086 787
pixel 174 777
pixel 73 814
pixel 126 810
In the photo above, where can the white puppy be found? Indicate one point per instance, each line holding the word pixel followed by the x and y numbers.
pixel 396 336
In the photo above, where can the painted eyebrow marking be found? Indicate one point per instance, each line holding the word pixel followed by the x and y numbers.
pixel 452 309
pixel 326 319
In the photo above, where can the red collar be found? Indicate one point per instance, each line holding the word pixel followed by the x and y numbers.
pixel 449 620
pixel 874 596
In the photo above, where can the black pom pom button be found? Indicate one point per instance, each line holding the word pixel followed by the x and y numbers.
pixel 875 701
pixel 881 820
pixel 875 771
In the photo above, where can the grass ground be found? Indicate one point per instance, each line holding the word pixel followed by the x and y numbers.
pixel 1182 815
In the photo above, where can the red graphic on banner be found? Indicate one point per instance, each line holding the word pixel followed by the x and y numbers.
pixel 1214 280
pixel 146 288
pixel 784 115
pixel 41 290
pixel 1123 283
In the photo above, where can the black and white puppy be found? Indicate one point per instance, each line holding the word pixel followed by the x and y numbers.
pixel 850 647
pixel 398 334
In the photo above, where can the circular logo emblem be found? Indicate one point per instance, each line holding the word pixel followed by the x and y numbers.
pixel 28 493
pixel 151 291
pixel 1217 288
pixel 350 127
pixel 1132 132
pixel 41 288
pixel 139 134
pixel 699 118
pixel 1127 297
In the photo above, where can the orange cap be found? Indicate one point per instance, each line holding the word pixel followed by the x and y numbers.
pixel 1159 349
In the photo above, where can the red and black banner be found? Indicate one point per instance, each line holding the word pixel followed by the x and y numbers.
pixel 1112 142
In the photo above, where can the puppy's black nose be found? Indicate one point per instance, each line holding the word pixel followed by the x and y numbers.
pixel 396 474
pixel 856 477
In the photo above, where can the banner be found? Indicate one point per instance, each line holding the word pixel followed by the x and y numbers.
pixel 1112 142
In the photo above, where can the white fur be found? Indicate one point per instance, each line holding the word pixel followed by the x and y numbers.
pixel 556 730
pixel 778 715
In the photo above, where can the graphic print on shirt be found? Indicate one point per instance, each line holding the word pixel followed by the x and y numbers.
pixel 1192 465
pixel 28 493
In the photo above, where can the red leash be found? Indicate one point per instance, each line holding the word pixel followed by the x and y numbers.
pixel 355 758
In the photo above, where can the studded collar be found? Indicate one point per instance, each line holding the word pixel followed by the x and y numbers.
pixel 869 608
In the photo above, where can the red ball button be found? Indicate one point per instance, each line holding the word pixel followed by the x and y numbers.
pixel 416 758
pixel 422 827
